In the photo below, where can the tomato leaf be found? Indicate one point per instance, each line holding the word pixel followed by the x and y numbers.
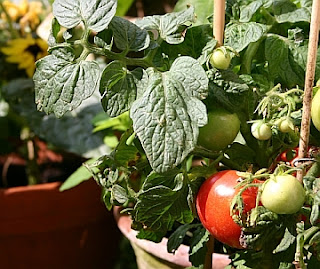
pixel 118 87
pixel 171 26
pixel 288 12
pixel 198 247
pixel 249 10
pixel 282 63
pixel 177 237
pixel 203 9
pixel 287 240
pixel 240 35
pixel 167 194
pixel 195 40
pixel 95 14
pixel 62 85
pixel 128 36
pixel 167 116
pixel 104 39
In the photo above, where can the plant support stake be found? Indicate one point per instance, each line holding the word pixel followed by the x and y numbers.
pixel 309 82
pixel 219 20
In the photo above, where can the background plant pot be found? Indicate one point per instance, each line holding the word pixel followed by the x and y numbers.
pixel 152 255
pixel 41 227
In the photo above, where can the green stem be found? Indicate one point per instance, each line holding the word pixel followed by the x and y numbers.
pixel 32 168
pixel 301 239
pixel 13 31
pixel 144 62
pixel 248 57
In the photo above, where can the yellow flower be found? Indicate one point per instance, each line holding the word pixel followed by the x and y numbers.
pixel 31 17
pixel 25 52
pixel 27 12
pixel 12 9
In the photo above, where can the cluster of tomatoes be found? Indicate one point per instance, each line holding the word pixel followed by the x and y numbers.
pixel 280 192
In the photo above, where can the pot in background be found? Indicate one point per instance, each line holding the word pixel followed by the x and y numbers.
pixel 41 227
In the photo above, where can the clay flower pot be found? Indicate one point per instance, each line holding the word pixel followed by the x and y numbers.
pixel 41 227
pixel 152 255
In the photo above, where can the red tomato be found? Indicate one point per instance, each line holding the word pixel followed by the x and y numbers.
pixel 213 206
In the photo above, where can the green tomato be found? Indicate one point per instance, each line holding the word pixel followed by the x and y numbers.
pixel 283 194
pixel 220 58
pixel 285 125
pixel 220 131
pixel 261 130
pixel 315 110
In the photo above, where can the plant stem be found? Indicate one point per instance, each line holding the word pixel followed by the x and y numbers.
pixel 248 56
pixel 210 250
pixel 309 82
pixel 143 62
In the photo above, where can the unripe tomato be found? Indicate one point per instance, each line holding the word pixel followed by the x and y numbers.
pixel 220 131
pixel 261 130
pixel 220 58
pixel 285 125
pixel 283 194
pixel 213 206
pixel 315 110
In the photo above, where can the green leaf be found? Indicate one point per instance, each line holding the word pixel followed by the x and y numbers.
pixel 287 240
pixel 118 88
pixel 282 65
pixel 171 26
pixel 69 133
pixel 240 35
pixel 119 194
pixel 95 14
pixel 104 39
pixel 249 10
pixel 202 8
pixel 298 15
pixel 198 247
pixel 77 177
pixel 128 36
pixel 62 85
pixel 166 195
pixel 166 118
pixel 195 40
pixel 177 237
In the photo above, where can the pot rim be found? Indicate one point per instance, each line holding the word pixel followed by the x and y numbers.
pixel 181 256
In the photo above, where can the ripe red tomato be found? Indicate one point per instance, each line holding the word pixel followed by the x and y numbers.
pixel 213 206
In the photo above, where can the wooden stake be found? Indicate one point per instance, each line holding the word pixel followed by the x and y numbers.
pixel 309 82
pixel 219 20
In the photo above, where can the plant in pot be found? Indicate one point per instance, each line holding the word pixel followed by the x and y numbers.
pixel 217 152
pixel 37 154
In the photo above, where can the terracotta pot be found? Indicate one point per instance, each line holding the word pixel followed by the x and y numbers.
pixel 152 255
pixel 41 227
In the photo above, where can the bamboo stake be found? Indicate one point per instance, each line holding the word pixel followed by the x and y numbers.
pixel 219 20
pixel 309 82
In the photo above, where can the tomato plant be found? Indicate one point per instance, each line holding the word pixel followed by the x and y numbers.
pixel 283 194
pixel 158 71
pixel 220 131
pixel 213 206
pixel 220 58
